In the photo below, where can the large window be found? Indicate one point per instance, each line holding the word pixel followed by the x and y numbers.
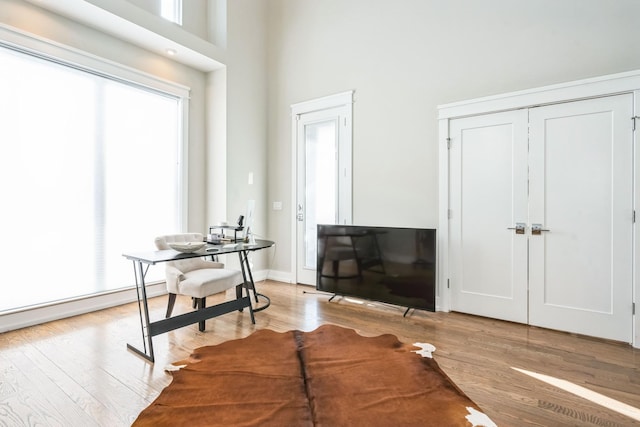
pixel 89 168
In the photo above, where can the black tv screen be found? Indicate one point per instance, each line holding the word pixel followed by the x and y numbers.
pixel 387 264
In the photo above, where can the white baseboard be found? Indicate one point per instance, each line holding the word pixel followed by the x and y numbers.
pixel 281 276
pixel 46 313
pixel 30 316
pixel 260 275
pixel 287 277
pixel 41 314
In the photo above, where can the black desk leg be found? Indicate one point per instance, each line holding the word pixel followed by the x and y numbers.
pixel 143 310
pixel 246 270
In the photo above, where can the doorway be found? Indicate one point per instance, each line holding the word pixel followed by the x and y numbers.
pixel 541 224
pixel 322 147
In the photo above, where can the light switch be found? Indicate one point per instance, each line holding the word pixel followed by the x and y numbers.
pixel 277 206
pixel 250 178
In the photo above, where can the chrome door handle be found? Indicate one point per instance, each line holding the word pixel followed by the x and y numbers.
pixel 536 229
pixel 520 227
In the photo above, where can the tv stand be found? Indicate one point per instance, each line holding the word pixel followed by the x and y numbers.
pixel 379 302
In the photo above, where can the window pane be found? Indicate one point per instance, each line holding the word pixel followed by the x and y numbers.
pixel 320 183
pixel 171 10
pixel 141 175
pixel 74 179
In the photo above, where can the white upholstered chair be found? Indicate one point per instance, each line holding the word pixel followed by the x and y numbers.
pixel 196 277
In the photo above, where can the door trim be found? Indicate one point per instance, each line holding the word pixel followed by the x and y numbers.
pixel 319 104
pixel 628 82
pixel 607 85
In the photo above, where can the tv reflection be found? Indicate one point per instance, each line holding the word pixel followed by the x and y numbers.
pixel 387 264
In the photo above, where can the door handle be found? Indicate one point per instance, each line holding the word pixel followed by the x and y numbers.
pixel 536 229
pixel 520 227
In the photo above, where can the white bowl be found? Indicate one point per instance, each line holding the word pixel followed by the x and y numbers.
pixel 187 247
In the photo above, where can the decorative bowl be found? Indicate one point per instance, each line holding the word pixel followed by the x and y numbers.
pixel 187 247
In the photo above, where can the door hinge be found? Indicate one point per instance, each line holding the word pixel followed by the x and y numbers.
pixel 633 308
pixel 634 119
pixel 634 216
pixel 449 214
pixel 448 284
pixel 448 143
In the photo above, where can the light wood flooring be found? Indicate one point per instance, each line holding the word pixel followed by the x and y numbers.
pixel 78 372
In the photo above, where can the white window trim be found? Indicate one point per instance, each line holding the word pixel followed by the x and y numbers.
pixel 53 51
pixel 58 52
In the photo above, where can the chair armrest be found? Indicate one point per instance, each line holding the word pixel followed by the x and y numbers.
pixel 173 276
pixel 175 272
pixel 215 264
pixel 198 263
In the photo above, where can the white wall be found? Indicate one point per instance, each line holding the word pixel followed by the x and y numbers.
pixel 403 58
pixel 246 113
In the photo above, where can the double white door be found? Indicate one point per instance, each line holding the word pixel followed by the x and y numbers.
pixel 542 214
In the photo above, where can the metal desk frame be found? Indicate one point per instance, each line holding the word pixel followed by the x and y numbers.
pixel 151 329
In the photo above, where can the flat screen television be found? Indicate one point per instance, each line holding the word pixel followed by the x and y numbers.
pixel 386 264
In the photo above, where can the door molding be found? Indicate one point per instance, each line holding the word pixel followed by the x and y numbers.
pixel 345 99
pixel 612 84
pixel 627 82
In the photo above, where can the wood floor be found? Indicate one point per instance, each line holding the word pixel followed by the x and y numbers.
pixel 78 372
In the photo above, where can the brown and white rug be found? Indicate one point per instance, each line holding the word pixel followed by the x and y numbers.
pixel 328 377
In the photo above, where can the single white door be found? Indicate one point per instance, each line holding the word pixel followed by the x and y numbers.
pixel 488 259
pixel 581 175
pixel 323 180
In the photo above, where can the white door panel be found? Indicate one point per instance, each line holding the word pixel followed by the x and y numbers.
pixel 317 186
pixel 569 168
pixel 581 175
pixel 489 195
pixel 323 181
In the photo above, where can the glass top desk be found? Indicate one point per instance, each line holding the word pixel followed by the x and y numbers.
pixel 151 329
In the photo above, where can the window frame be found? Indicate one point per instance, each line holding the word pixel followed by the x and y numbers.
pixel 39 47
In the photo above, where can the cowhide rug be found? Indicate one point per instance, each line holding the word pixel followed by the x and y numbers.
pixel 328 377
